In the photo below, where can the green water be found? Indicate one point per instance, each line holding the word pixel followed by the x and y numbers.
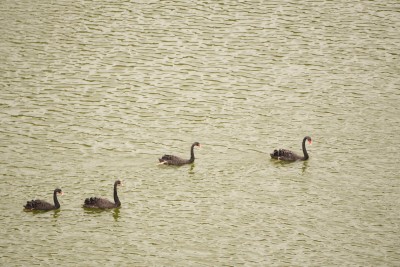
pixel 93 92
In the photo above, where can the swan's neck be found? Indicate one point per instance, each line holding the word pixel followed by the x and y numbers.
pixel 191 160
pixel 304 149
pixel 116 199
pixel 56 203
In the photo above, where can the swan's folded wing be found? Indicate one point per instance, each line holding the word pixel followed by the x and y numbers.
pixel 171 159
pixel 285 154
pixel 97 202
pixel 167 157
pixel 39 205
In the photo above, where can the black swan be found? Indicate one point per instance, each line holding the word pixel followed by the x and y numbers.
pixel 287 155
pixel 102 203
pixel 44 205
pixel 177 161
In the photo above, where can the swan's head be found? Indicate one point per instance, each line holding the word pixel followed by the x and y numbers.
pixel 309 140
pixel 118 182
pixel 196 144
pixel 59 191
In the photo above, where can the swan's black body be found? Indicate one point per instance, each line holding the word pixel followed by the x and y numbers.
pixel 102 203
pixel 287 155
pixel 177 161
pixel 44 205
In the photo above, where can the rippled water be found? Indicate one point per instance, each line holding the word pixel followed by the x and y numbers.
pixel 92 92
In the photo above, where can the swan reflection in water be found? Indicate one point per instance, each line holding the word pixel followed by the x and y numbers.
pixel 100 212
pixel 56 214
pixel 191 171
pixel 116 214
pixel 304 168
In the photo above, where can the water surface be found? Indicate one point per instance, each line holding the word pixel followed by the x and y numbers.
pixel 93 92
